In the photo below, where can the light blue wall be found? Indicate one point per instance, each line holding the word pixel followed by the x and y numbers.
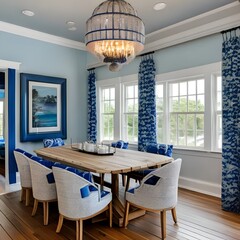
pixel 190 54
pixel 43 58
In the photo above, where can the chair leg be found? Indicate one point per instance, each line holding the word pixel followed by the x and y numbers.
pixel 125 221
pixel 28 191
pixel 60 223
pixel 77 230
pixel 22 194
pixel 163 223
pixel 102 179
pixel 35 206
pixel 174 214
pixel 80 229
pixel 45 212
pixel 127 184
pixel 123 180
pixel 110 214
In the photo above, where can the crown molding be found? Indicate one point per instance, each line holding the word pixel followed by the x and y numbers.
pixel 206 24
pixel 212 22
pixel 45 37
pixel 9 64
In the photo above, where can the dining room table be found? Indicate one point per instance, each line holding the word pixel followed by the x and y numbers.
pixel 119 161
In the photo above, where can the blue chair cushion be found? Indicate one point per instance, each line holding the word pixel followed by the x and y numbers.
pixel 29 155
pixel 165 149
pixel 83 174
pixel 52 142
pixel 44 162
pixel 162 149
pixel 152 148
pixel 120 144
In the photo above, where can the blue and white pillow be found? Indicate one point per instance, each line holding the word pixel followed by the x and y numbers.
pixel 52 142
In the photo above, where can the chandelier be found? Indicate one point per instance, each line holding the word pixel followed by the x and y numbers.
pixel 114 33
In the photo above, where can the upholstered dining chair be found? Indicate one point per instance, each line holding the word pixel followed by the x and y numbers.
pixel 43 185
pixel 158 192
pixel 22 157
pixel 53 142
pixel 79 198
pixel 162 149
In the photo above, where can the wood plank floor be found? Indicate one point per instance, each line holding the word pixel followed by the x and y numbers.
pixel 199 218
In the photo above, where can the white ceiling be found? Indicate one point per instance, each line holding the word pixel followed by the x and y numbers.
pixel 51 15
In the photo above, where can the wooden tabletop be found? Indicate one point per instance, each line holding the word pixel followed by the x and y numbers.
pixel 122 161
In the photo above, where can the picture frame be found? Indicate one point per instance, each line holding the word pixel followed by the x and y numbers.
pixel 42 107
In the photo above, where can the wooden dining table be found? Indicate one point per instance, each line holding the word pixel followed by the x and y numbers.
pixel 122 161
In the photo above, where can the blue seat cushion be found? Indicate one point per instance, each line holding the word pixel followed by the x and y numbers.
pixel 44 162
pixel 29 155
pixel 120 144
pixel 52 142
pixel 83 174
pixel 162 149
pixel 165 149
pixel 152 148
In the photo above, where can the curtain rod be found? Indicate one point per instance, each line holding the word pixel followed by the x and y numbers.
pixel 232 29
pixel 144 54
pixel 91 69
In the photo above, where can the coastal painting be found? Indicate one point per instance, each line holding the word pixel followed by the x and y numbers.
pixel 43 107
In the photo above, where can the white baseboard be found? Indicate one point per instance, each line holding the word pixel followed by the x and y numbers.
pixel 200 186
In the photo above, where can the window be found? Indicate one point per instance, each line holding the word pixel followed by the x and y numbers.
pixel 188 108
pixel 160 112
pixel 218 112
pixel 186 113
pixel 130 128
pixel 107 113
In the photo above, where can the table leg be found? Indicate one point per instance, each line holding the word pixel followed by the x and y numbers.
pixel 118 206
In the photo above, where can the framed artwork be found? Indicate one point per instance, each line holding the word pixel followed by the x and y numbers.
pixel 42 107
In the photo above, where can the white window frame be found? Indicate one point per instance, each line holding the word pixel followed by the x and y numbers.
pixel 208 72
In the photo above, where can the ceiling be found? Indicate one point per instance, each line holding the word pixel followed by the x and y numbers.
pixel 51 15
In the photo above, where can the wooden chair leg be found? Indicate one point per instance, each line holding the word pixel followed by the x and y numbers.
pixel 45 213
pixel 110 214
pixel 60 223
pixel 77 230
pixel 28 191
pixel 22 194
pixel 35 206
pixel 163 223
pixel 127 184
pixel 102 179
pixel 125 221
pixel 80 229
pixel 124 180
pixel 174 214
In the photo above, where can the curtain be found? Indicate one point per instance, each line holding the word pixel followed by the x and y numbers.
pixel 231 120
pixel 92 111
pixel 147 105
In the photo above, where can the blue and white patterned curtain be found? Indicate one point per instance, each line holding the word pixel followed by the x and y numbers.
pixel 92 111
pixel 231 120
pixel 147 105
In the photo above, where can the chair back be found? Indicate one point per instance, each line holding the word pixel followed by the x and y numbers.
pixel 120 144
pixel 77 197
pixel 159 189
pixel 43 185
pixel 23 167
pixel 52 142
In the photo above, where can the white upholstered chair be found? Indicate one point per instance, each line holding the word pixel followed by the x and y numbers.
pixel 24 171
pixel 43 185
pixel 158 192
pixel 79 198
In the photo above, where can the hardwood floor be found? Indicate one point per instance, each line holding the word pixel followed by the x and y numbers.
pixel 199 218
